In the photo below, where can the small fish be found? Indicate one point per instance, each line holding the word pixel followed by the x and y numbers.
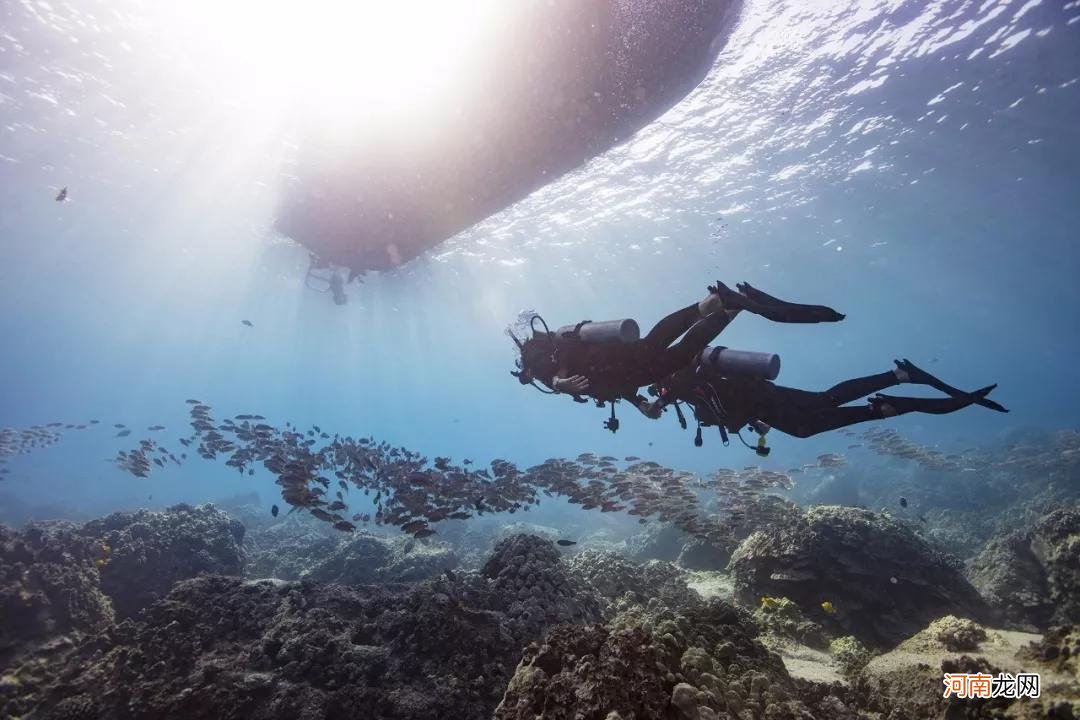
pixel 344 526
pixel 423 533
pixel 248 323
pixel 62 195
pixel 123 433
pixel 903 502
pixel 566 543
pixel 828 607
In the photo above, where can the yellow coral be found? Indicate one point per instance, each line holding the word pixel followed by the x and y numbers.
pixel 769 603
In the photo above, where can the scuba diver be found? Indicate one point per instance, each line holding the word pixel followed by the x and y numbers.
pixel 734 389
pixel 609 362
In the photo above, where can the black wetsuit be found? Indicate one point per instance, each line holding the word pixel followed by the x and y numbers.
pixel 735 402
pixel 617 370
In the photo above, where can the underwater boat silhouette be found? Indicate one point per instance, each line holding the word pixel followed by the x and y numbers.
pixel 558 84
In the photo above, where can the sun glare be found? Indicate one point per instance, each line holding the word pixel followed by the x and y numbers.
pixel 329 62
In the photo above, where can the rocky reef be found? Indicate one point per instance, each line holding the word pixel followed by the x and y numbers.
pixel 289 620
pixel 880 580
pixel 148 552
pixel 298 550
pixel 697 661
pixel 1032 577
pixel 49 586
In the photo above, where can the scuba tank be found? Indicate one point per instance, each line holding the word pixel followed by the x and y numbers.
pixel 605 332
pixel 740 363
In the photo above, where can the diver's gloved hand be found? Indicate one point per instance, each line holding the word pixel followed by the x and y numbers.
pixel 652 410
pixel 575 384
pixel 782 311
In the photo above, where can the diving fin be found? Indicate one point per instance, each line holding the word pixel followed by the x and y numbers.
pixel 933 406
pixel 920 377
pixel 783 311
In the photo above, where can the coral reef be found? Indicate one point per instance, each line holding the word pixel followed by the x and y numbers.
pixel 622 584
pixel 700 554
pixel 367 558
pixel 781 618
pixel 699 661
pixel 536 590
pixel 881 580
pixel 1033 577
pixel 148 552
pixel 850 654
pixel 1059 648
pixel 289 548
pixel 49 585
pixel 220 647
pixel 589 673
pixel 895 683
pixel 227 648
pixel 658 541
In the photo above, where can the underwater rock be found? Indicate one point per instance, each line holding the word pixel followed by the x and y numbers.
pixel 1059 648
pixel 49 585
pixel 781 618
pixel 700 554
pixel 528 572
pixel 149 551
pixel 289 548
pixel 700 660
pixel 226 647
pixel 658 541
pixel 301 549
pixel 849 654
pixel 881 581
pixel 622 584
pixel 895 684
pixel 1033 577
pixel 524 528
pixel 220 647
pixel 589 673
pixel 957 634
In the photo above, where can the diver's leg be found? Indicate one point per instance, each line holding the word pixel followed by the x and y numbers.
pixel 671 327
pixel 791 414
pixel 891 406
pixel 670 360
pixel 850 390
pixel 803 423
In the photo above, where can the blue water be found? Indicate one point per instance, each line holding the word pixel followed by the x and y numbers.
pixel 912 164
